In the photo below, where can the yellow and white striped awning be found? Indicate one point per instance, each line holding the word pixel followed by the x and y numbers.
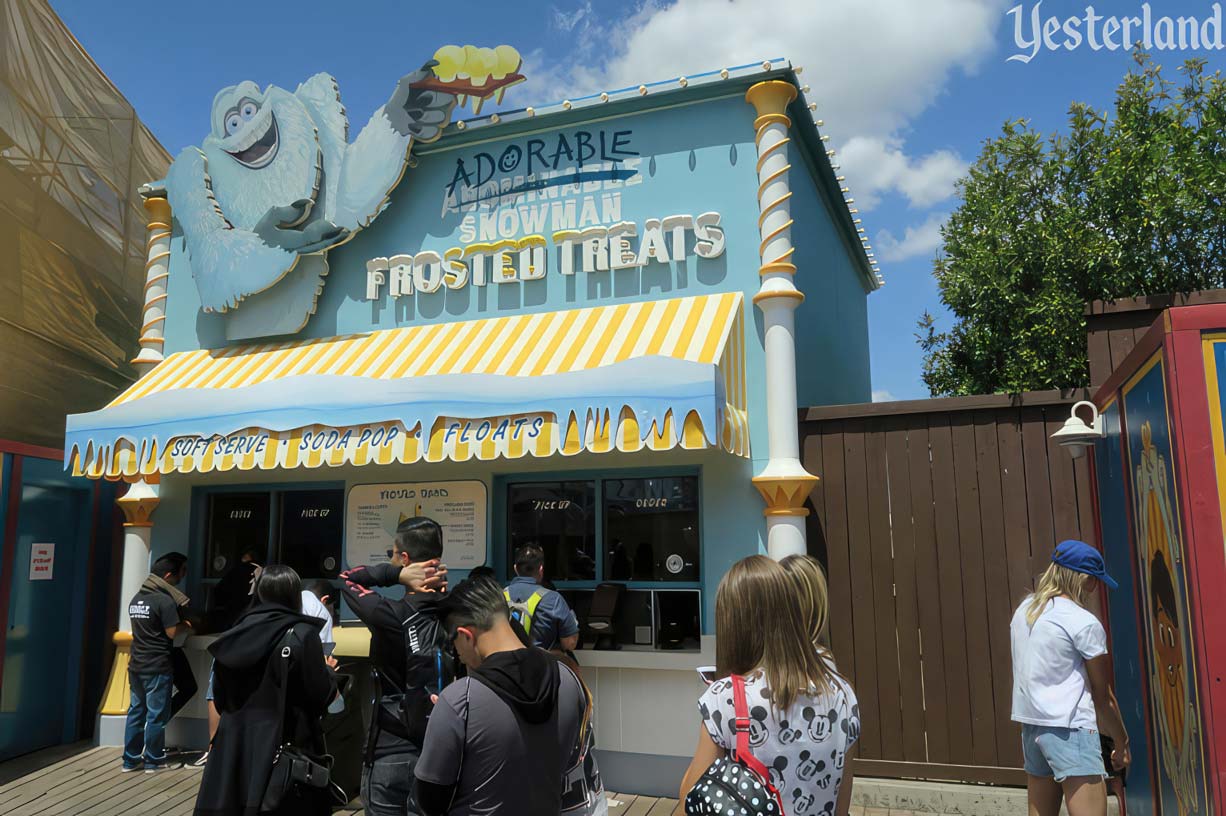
pixel 653 375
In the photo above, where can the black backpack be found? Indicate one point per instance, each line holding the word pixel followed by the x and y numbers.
pixel 431 665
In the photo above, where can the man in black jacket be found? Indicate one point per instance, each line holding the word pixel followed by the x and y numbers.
pixel 392 750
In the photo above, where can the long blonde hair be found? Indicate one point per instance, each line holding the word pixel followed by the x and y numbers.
pixel 809 583
pixel 1056 581
pixel 758 626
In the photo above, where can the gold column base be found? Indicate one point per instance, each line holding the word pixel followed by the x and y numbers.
pixel 118 693
pixel 785 495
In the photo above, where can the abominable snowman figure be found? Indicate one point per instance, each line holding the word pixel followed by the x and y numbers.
pixel 276 184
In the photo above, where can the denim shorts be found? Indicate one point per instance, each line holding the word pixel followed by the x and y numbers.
pixel 1062 752
pixel 208 694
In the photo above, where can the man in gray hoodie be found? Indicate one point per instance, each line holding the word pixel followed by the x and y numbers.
pixel 501 740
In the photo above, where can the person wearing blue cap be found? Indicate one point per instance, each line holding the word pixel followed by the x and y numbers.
pixel 1062 693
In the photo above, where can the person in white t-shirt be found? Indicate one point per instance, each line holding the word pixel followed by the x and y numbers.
pixel 1062 691
pixel 315 604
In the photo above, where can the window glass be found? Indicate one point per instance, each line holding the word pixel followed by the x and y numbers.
pixel 560 518
pixel 312 528
pixel 651 529
pixel 236 522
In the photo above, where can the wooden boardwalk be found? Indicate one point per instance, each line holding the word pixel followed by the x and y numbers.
pixel 90 784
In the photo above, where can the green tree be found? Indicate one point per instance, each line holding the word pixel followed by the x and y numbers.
pixel 1126 204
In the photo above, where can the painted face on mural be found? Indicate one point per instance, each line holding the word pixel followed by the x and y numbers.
pixel 1169 653
pixel 1168 641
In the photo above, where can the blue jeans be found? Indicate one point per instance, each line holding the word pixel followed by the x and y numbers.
pixel 148 714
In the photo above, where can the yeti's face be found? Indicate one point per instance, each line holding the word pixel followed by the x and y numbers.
pixel 245 124
pixel 262 152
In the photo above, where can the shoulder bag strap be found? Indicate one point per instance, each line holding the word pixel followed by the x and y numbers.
pixel 281 671
pixel 743 753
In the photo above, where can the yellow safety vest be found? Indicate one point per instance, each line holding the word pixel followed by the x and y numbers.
pixel 528 608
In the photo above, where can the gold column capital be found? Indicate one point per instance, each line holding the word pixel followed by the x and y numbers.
pixel 138 505
pixel 771 98
pixel 785 495
pixel 159 209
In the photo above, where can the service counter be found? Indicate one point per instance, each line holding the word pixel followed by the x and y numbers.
pixel 636 692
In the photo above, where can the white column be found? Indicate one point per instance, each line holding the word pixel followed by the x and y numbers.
pixel 157 272
pixel 141 499
pixel 138 504
pixel 783 483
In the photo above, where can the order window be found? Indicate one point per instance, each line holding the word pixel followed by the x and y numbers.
pixel 651 529
pixel 303 529
pixel 312 527
pixel 641 529
pixel 558 517
pixel 236 522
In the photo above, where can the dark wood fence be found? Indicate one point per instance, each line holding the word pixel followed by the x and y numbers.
pixel 1114 327
pixel 933 517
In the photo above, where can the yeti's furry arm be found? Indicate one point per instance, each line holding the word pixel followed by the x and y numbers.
pixel 376 160
pixel 229 264
pixel 323 99
pixel 372 167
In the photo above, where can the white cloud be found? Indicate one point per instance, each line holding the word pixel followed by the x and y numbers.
pixel 923 239
pixel 569 20
pixel 878 166
pixel 884 396
pixel 873 66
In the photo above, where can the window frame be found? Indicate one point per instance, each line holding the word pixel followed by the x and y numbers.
pixel 501 558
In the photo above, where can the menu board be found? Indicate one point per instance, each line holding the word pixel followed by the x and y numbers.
pixel 375 510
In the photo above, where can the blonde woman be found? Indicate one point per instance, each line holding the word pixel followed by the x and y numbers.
pixel 1062 692
pixel 803 717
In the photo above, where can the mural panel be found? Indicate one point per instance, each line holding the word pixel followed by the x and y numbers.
pixel 1164 596
pixel 1127 654
pixel 1215 376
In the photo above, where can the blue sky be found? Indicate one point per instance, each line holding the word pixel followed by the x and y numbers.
pixel 908 89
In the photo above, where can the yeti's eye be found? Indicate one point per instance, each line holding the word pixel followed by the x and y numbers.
pixel 248 109
pixel 233 123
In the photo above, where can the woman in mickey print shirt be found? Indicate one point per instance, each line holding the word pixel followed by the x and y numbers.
pixel 804 718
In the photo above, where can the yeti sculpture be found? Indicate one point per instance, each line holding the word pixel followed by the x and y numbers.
pixel 276 184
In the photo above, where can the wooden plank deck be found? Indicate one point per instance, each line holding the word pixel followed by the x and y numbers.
pixel 89 783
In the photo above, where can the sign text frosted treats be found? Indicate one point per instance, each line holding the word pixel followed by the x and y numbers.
pixel 593 249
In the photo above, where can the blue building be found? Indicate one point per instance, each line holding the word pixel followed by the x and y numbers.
pixel 576 325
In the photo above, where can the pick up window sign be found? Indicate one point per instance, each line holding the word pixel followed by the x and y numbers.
pixel 42 561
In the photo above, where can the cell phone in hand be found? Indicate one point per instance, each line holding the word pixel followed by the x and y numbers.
pixel 707 673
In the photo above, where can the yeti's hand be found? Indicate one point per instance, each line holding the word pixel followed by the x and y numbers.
pixel 418 112
pixel 282 227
